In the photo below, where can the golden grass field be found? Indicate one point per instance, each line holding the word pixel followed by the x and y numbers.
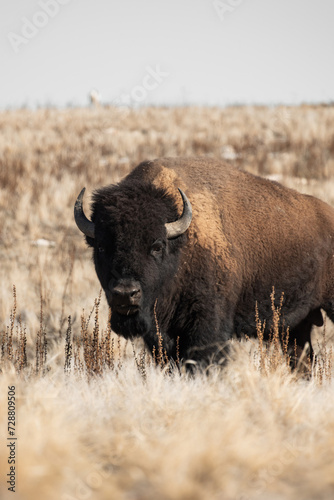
pixel 111 424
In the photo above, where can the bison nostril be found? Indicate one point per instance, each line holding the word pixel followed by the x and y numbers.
pixel 122 292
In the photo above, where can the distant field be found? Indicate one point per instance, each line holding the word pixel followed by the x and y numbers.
pixel 137 431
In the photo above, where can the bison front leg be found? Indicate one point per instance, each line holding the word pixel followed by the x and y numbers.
pixel 206 343
pixel 195 336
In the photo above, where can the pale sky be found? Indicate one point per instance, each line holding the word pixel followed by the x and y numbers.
pixel 213 52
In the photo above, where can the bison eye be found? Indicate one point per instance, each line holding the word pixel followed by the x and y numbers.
pixel 100 249
pixel 157 249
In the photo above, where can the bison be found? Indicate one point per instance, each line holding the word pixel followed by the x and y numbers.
pixel 196 243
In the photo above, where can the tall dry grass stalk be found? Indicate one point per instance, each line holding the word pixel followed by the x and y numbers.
pixel 275 352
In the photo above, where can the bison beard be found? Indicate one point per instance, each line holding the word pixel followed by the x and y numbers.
pixel 129 326
pixel 206 273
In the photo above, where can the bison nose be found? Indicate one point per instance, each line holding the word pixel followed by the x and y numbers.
pixel 126 294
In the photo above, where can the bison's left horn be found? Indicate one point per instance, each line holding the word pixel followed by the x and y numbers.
pixel 180 226
pixel 84 224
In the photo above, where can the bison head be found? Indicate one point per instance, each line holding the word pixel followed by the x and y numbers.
pixel 137 239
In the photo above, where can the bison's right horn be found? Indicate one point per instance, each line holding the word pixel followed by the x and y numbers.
pixel 84 224
pixel 181 225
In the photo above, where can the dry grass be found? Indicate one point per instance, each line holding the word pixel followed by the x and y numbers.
pixel 96 417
